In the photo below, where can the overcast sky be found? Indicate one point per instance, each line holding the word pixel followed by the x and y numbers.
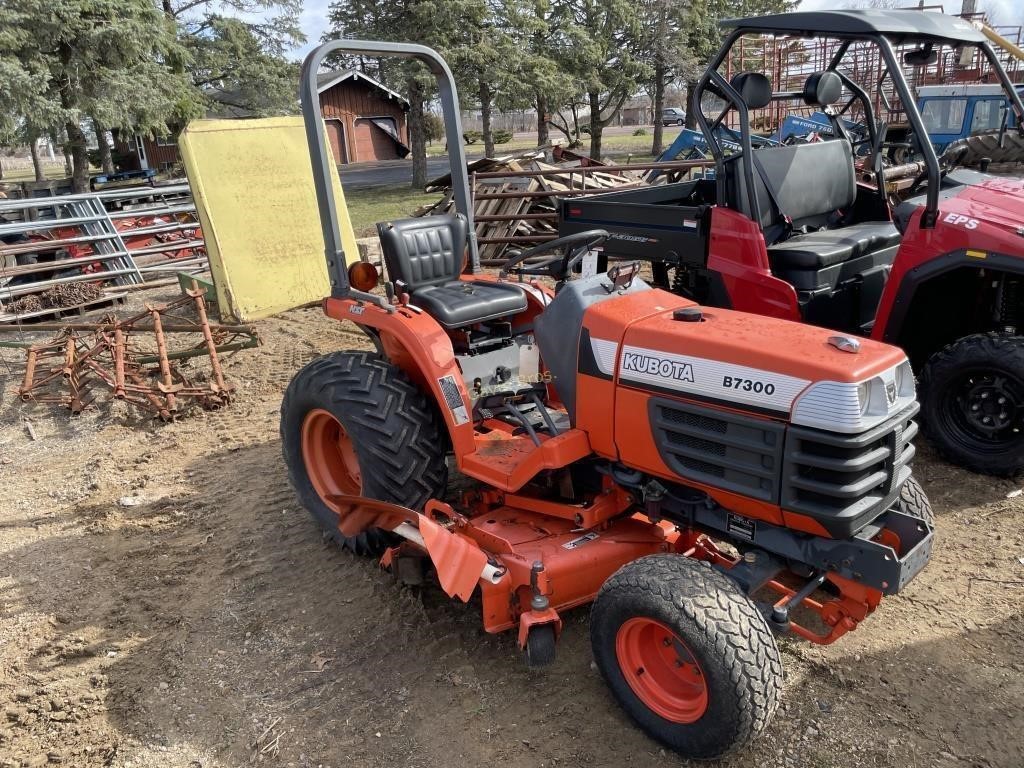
pixel 314 14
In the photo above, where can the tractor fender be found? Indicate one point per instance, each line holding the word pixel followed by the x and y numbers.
pixel 417 344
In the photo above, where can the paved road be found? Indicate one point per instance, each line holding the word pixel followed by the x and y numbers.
pixel 388 172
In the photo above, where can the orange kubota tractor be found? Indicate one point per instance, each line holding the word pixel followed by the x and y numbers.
pixel 704 477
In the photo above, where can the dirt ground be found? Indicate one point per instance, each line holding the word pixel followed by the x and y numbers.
pixel 165 602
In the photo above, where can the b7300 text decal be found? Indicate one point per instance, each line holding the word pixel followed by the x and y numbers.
pixel 748 385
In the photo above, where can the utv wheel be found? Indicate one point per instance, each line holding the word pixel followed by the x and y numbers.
pixel 352 424
pixel 686 654
pixel 913 501
pixel 972 395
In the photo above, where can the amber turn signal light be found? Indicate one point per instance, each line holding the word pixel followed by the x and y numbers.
pixel 363 276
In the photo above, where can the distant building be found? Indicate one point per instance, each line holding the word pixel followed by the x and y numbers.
pixel 365 121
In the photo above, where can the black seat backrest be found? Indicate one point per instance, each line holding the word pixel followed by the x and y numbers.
pixel 429 250
pixel 804 183
pixel 808 183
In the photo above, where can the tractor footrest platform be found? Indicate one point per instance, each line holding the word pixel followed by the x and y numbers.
pixel 509 462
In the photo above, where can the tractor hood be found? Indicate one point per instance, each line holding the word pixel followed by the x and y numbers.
pixel 747 362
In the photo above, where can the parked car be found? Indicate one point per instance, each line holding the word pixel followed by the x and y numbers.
pixel 673 116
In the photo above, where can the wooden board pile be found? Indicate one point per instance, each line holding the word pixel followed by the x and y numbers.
pixel 522 210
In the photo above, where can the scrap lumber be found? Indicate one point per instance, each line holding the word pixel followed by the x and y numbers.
pixel 514 209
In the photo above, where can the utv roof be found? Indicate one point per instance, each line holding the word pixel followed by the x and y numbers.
pixel 903 25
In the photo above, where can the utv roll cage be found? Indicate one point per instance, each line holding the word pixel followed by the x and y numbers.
pixel 886 29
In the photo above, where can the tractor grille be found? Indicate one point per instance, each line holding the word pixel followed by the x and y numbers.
pixel 726 450
pixel 844 481
pixel 841 481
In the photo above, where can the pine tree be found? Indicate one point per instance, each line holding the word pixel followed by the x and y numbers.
pixel 238 64
pixel 115 60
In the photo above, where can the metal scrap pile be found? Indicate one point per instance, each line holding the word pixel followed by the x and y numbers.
pixel 106 240
pixel 61 295
pixel 133 359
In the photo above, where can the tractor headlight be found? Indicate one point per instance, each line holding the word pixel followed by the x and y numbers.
pixel 864 396
pixel 905 384
pixel 855 406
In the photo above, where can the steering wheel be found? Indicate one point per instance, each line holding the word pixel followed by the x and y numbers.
pixel 947 162
pixel 573 248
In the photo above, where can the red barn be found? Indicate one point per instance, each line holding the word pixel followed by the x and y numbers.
pixel 135 152
pixel 365 120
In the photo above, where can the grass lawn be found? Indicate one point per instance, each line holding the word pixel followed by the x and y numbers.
pixel 14 175
pixel 369 205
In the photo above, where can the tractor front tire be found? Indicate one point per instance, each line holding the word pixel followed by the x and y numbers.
pixel 353 424
pixel 686 654
pixel 972 399
pixel 913 501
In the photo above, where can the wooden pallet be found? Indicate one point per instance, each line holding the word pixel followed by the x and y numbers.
pixel 109 300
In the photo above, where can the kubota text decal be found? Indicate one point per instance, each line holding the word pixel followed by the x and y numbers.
pixel 713 379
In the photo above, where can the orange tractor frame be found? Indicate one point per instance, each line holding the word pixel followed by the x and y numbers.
pixel 678 467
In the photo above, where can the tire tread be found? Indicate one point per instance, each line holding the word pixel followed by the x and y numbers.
pixel 392 422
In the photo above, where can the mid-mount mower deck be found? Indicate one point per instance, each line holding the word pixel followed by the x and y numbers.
pixel 702 476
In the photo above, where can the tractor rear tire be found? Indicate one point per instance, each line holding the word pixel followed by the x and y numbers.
pixel 977 378
pixel 986 145
pixel 687 654
pixel 379 438
pixel 913 501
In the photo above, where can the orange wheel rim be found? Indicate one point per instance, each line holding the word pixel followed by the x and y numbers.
pixel 661 670
pixel 329 457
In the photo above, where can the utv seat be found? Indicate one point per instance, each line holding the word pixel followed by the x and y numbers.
pixel 425 256
pixel 828 247
pixel 803 192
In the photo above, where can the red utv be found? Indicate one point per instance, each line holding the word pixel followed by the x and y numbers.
pixel 789 231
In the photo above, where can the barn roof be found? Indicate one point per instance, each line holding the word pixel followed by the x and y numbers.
pixel 326 80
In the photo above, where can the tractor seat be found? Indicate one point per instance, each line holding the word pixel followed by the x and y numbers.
pixel 828 247
pixel 426 256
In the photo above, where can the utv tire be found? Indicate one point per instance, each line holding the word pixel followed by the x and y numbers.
pixel 686 654
pixel 972 398
pixel 366 430
pixel 913 501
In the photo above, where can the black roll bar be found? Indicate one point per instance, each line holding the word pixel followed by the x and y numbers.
pixel 931 160
pixel 1005 81
pixel 321 159
pixel 723 86
pixel 895 72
